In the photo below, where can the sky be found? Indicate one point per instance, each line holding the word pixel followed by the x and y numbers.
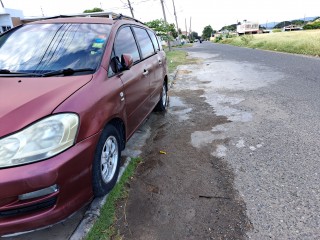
pixel 202 12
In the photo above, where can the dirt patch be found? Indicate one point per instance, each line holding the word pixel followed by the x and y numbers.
pixel 184 72
pixel 186 193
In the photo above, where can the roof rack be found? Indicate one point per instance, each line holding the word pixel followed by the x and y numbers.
pixel 120 16
pixel 111 15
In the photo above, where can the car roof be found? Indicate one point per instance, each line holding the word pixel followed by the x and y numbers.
pixel 76 20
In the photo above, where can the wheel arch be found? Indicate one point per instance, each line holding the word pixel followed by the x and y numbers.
pixel 118 123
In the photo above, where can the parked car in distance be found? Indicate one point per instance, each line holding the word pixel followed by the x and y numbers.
pixel 73 91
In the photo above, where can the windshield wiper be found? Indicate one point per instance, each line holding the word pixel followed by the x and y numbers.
pixel 67 72
pixel 8 73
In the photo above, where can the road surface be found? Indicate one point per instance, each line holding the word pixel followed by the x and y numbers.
pixel 241 138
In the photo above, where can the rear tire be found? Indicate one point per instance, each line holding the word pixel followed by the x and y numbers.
pixel 106 164
pixel 163 102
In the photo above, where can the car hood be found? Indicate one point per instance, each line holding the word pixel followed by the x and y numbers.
pixel 25 100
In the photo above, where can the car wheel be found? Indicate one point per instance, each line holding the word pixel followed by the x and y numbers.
pixel 162 104
pixel 106 163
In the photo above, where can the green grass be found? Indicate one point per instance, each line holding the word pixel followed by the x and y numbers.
pixel 176 58
pixel 103 227
pixel 299 42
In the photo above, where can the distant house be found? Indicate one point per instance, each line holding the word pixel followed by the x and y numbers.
pixel 9 18
pixel 248 27
pixel 291 28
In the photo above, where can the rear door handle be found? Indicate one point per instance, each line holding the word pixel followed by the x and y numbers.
pixel 145 72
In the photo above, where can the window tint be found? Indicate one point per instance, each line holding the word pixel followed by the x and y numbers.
pixel 154 40
pixel 125 43
pixel 144 42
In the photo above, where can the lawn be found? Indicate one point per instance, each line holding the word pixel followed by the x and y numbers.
pixel 299 42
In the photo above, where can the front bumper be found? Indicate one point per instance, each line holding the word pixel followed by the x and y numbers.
pixel 69 173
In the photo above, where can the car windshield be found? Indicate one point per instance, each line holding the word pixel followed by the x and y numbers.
pixel 42 48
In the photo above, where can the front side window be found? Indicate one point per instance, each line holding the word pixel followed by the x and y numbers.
pixel 144 41
pixel 124 44
pixel 41 48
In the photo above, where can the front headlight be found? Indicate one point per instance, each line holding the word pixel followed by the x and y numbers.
pixel 39 141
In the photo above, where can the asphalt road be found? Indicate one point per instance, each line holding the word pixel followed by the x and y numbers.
pixel 272 101
pixel 242 141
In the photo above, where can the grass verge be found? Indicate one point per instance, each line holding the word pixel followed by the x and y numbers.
pixel 103 227
pixel 299 42
pixel 176 58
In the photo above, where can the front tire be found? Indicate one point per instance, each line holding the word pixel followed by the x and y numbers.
pixel 106 164
pixel 163 102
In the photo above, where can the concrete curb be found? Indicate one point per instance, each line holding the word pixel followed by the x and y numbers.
pixel 172 77
pixel 93 213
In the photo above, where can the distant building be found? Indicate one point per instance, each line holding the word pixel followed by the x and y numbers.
pixel 9 18
pixel 248 27
pixel 291 28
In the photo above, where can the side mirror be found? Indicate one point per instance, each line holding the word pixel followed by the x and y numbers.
pixel 126 61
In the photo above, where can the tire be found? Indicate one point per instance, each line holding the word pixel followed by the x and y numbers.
pixel 106 164
pixel 163 102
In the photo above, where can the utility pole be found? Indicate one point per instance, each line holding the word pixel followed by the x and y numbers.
pixel 131 9
pixel 1 3
pixel 191 37
pixel 165 20
pixel 185 22
pixel 175 15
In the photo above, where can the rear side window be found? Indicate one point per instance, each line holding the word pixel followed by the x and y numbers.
pixel 154 40
pixel 144 41
pixel 125 43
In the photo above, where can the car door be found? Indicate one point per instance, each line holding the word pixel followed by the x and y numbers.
pixel 135 80
pixel 150 60
pixel 158 76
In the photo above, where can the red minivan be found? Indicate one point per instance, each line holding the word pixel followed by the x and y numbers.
pixel 72 92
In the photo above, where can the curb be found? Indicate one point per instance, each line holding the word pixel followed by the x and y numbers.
pixel 93 213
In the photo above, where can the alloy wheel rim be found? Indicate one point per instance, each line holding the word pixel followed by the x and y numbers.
pixel 109 159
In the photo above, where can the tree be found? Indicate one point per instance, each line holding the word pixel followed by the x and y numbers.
pixel 93 10
pixel 162 28
pixel 207 32
pixel 173 31
pixel 232 27
pixel 282 24
pixel 194 35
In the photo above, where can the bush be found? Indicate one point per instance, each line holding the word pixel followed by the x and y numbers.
pixel 246 39
pixel 218 38
pixel 314 25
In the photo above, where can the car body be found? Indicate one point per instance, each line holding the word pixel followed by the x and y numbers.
pixel 65 118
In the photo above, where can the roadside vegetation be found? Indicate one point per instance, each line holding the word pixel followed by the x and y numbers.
pixel 178 57
pixel 299 42
pixel 103 227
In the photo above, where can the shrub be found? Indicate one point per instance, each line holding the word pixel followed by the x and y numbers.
pixel 314 25
pixel 246 39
